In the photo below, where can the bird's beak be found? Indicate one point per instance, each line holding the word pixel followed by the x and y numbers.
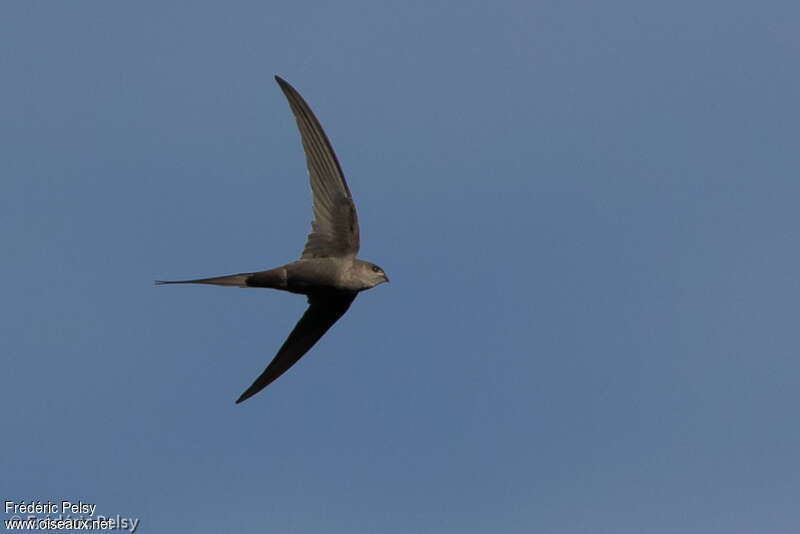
pixel 385 278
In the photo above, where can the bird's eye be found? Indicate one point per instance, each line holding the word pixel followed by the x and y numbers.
pixel 376 269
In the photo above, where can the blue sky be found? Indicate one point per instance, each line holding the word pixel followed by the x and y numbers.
pixel 588 211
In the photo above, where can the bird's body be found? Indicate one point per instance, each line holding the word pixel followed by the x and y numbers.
pixel 328 272
pixel 304 276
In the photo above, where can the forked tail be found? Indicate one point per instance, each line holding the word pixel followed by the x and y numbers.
pixel 234 280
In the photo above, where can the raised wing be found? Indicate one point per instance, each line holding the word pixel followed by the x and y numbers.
pixel 322 312
pixel 334 230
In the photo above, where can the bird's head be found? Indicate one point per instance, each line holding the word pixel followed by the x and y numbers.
pixel 370 274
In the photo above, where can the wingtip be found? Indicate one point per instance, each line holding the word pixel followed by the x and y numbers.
pixel 286 87
pixel 254 388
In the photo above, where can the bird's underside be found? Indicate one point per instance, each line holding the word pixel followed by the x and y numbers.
pixel 327 272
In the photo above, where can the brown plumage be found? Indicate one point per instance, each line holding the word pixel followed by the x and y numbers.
pixel 328 272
